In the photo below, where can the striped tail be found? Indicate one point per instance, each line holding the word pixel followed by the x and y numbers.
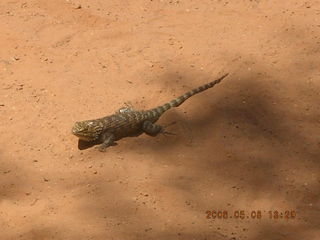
pixel 178 101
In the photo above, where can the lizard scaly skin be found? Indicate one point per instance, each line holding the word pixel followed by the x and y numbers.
pixel 128 122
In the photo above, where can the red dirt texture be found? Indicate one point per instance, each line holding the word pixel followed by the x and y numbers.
pixel 245 161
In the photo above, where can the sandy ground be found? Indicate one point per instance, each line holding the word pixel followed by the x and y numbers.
pixel 250 144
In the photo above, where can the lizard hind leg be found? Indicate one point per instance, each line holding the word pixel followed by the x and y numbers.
pixel 127 108
pixel 154 129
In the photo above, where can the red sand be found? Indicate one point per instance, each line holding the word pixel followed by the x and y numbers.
pixel 250 144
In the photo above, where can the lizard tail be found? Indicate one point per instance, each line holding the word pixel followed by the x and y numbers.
pixel 178 101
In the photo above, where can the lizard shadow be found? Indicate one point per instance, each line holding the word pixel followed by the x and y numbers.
pixel 83 145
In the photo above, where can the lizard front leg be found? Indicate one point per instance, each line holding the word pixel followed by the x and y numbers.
pixel 107 140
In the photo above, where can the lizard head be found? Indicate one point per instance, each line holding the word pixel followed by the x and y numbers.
pixel 87 130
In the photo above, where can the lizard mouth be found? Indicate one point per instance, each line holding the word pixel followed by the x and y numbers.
pixel 84 138
pixel 80 136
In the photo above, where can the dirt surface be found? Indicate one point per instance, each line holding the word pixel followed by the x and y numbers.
pixel 250 144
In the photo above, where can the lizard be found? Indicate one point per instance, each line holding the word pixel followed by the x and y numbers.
pixel 127 122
